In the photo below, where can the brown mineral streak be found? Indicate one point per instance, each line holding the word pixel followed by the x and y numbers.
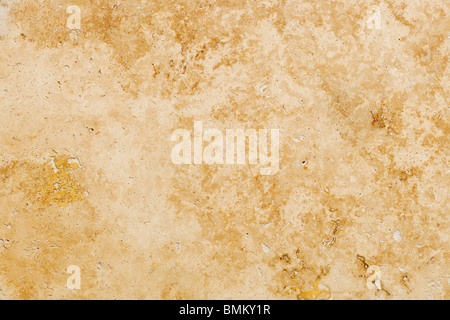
pixel 363 180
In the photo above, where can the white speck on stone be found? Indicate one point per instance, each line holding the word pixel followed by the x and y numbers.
pixel 323 287
pixel 299 138
pixel 266 249
pixel 377 283
pixel 397 235
pixel 263 88
pixel 55 169
pixel 74 160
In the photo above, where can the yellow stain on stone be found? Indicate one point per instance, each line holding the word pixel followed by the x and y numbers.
pixel 46 185
pixel 40 234
pixel 66 189
pixel 318 292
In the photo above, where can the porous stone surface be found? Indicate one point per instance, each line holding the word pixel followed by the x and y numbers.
pixel 358 209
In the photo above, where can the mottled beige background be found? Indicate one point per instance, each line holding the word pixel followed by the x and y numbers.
pixel 86 176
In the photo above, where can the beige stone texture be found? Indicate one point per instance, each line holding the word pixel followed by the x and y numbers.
pixel 358 210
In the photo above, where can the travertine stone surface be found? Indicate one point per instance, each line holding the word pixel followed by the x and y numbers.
pixel 358 90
